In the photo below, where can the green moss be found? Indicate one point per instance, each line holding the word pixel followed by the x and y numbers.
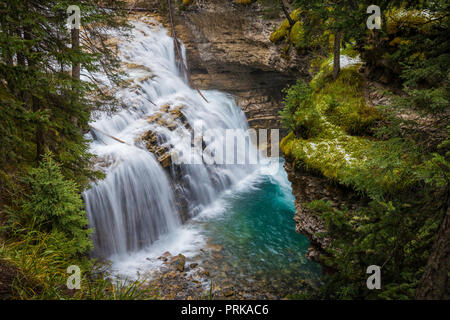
pixel 375 168
pixel 286 144
pixel 278 35
pixel 283 30
pixel 331 154
pixel 343 103
pixel 323 76
pixel 350 51
pixel 297 35
pixel 372 167
pixel 296 14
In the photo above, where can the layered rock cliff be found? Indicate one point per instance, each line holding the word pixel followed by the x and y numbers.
pixel 228 49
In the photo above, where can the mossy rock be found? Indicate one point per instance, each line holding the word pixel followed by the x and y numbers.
pixel 369 166
pixel 286 144
pixel 283 30
pixel 296 14
pixel 278 35
pixel 297 35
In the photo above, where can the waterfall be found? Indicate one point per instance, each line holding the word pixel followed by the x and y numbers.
pixel 133 205
pixel 137 201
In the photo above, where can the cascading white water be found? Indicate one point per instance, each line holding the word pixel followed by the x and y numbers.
pixel 135 205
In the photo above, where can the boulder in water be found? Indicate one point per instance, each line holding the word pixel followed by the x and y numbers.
pixel 170 118
pixel 165 160
pixel 214 247
pixel 179 261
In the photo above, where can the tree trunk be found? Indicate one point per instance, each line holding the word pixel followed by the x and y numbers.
pixel 76 67
pixel 39 134
pixel 434 282
pixel 34 102
pixel 337 55
pixel 286 13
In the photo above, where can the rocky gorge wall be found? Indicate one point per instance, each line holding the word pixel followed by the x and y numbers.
pixel 228 48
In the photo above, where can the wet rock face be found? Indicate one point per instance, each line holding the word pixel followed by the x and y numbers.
pixel 171 118
pixel 228 49
pixel 307 187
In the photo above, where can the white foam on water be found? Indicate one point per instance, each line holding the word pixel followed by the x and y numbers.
pixel 186 239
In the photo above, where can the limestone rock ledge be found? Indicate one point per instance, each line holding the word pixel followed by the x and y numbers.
pixel 228 48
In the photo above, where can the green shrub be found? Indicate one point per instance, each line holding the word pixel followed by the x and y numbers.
pixel 53 205
pixel 395 235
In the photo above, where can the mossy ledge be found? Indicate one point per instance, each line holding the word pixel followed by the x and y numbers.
pixel 343 149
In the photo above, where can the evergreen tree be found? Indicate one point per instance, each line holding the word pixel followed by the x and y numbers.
pixel 39 97
pixel 54 205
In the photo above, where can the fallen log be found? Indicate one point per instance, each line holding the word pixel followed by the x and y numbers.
pixel 106 134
